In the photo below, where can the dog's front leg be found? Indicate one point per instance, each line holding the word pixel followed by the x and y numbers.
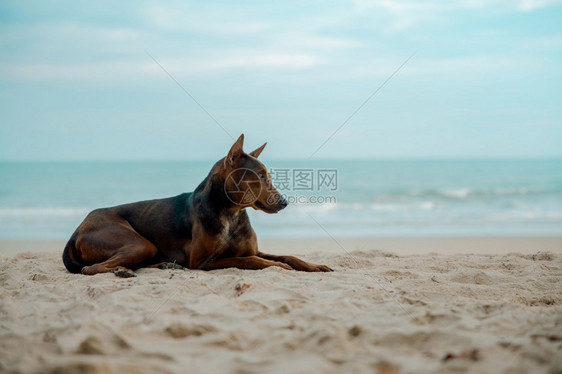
pixel 248 262
pixel 207 253
pixel 295 262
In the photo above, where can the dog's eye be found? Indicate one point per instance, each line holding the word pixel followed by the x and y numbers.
pixel 261 176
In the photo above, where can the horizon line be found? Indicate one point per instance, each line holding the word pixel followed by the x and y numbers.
pixel 403 158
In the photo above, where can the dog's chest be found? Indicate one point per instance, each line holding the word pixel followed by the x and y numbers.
pixel 234 239
pixel 227 232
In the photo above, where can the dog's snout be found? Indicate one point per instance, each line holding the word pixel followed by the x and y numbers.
pixel 283 203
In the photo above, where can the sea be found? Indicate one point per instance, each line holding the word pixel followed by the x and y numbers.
pixel 343 198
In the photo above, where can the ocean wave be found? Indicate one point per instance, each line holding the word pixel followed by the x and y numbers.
pixel 428 205
pixel 386 207
pixel 527 216
pixel 42 212
pixel 360 207
pixel 317 208
pixel 459 194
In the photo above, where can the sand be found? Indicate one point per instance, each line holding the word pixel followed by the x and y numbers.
pixel 381 311
pixel 398 245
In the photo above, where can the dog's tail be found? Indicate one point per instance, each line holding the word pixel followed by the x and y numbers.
pixel 68 258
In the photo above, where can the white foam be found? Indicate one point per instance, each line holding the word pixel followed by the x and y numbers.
pixel 460 193
pixel 386 207
pixel 43 212
pixel 427 205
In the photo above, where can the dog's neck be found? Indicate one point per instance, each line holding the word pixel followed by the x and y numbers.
pixel 211 191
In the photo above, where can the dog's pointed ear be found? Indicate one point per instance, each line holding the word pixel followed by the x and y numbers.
pixel 235 152
pixel 257 152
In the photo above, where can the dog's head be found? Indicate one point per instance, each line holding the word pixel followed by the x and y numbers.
pixel 247 182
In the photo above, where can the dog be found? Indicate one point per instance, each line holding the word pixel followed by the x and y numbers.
pixel 206 229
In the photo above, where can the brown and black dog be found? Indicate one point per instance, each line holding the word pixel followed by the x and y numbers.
pixel 206 229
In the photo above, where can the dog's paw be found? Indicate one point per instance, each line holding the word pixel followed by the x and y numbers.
pixel 322 268
pixel 170 265
pixel 124 272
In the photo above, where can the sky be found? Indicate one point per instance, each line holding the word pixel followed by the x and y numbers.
pixel 101 80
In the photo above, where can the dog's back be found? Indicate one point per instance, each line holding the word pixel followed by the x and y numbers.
pixel 164 222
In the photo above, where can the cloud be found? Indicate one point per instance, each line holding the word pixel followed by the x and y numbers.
pixel 241 59
pixel 107 54
pixel 465 66
pixel 408 14
pixel 308 40
pixel 469 69
pixel 530 5
pixel 193 40
pixel 66 41
pixel 279 60
pixel 76 71
pixel 551 42
pixel 119 70
pixel 198 18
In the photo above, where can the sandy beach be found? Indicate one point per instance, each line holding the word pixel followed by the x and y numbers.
pixel 459 305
